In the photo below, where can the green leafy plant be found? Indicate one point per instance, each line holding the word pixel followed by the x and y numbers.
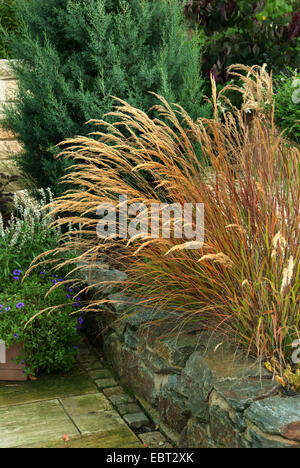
pixel 287 113
pixel 49 340
pixel 243 282
pixel 276 8
pixel 247 32
pixel 73 55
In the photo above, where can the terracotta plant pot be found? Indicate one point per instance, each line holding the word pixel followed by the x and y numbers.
pixel 9 370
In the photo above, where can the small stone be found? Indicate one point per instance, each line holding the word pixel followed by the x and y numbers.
pixel 292 431
pixel 105 383
pixel 136 420
pixel 154 440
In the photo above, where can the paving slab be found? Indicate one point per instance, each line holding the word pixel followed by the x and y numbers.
pixel 46 387
pixel 34 423
pixel 117 438
pixel 92 413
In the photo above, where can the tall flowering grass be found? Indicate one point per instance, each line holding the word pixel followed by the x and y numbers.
pixel 244 281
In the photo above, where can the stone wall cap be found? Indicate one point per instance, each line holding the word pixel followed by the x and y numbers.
pixel 275 414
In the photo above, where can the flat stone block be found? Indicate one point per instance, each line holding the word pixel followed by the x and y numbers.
pixel 9 148
pixel 11 89
pixel 136 420
pixel 240 393
pixel 105 383
pixel 6 134
pixel 129 408
pixel 34 423
pixel 100 374
pixel 92 413
pixel 277 415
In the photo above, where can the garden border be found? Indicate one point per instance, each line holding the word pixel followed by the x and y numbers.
pixel 198 390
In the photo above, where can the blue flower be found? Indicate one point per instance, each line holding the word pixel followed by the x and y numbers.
pixel 42 272
pixel 16 336
pixel 17 272
pixel 7 309
pixel 80 320
pixel 16 278
pixel 1 306
pixel 19 305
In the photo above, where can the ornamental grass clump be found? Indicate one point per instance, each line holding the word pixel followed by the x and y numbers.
pixel 243 282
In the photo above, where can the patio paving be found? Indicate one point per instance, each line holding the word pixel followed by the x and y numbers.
pixel 62 411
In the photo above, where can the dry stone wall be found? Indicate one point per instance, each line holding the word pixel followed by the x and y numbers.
pixel 201 393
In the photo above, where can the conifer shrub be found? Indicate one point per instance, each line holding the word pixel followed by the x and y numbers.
pixel 74 54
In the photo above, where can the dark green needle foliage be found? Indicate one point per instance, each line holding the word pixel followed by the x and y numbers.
pixel 74 54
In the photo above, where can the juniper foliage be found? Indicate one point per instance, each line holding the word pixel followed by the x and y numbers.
pixel 74 54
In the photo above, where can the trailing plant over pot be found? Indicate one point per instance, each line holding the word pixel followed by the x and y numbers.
pixel 49 342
